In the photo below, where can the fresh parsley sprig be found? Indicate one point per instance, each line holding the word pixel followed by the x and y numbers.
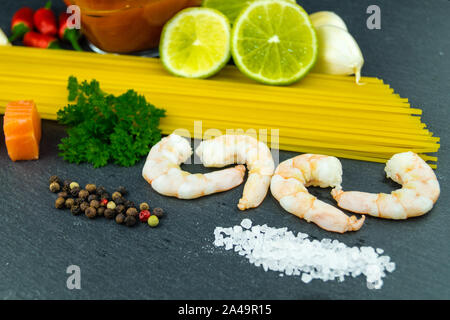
pixel 104 128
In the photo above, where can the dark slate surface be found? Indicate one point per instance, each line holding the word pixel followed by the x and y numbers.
pixel 177 260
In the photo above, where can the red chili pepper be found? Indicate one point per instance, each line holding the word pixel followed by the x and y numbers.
pixel 144 215
pixel 21 23
pixel 65 33
pixel 37 40
pixel 45 21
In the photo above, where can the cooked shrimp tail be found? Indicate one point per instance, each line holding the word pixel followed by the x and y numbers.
pixel 228 149
pixel 162 171
pixel 332 219
pixel 420 191
pixel 252 197
pixel 289 184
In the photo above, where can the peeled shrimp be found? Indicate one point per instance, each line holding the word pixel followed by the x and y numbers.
pixel 420 191
pixel 162 170
pixel 289 184
pixel 228 149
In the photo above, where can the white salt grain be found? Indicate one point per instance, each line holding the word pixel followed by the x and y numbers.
pixel 390 267
pixel 237 229
pixel 306 278
pixel 280 250
pixel 246 223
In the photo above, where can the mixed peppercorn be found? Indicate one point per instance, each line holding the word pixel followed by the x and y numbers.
pixel 95 202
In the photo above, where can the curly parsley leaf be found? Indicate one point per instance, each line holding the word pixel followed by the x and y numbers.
pixel 103 128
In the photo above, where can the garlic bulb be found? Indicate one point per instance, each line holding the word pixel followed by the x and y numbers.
pixel 339 53
pixel 323 18
pixel 3 39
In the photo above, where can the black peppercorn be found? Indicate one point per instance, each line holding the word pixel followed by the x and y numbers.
pixel 159 212
pixel 78 201
pixel 120 208
pixel 105 195
pixel 132 212
pixel 128 204
pixel 66 185
pixel 94 204
pixel 59 203
pixel 122 190
pixel 54 179
pixel 101 190
pixel 90 212
pixel 69 203
pixel 54 187
pixel 101 211
pixel 75 191
pixel 110 213
pixel 83 194
pixel 120 218
pixel 119 201
pixel 130 221
pixel 63 194
pixel 91 188
pixel 92 197
pixel 116 195
pixel 75 210
pixel 84 205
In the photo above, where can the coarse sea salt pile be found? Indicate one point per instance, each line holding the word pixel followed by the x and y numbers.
pixel 278 249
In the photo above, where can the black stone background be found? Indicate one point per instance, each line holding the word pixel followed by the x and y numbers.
pixel 178 260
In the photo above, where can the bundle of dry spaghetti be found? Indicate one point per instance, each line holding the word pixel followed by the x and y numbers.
pixel 320 114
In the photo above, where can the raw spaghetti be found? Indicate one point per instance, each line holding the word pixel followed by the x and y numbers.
pixel 321 114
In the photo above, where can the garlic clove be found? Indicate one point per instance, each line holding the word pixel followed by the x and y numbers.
pixel 339 53
pixel 323 18
pixel 3 39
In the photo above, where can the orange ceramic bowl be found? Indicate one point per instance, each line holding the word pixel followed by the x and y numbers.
pixel 125 26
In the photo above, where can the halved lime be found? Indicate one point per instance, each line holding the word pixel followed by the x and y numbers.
pixel 274 42
pixel 195 43
pixel 230 8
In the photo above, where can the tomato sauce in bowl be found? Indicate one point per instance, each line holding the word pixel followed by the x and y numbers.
pixel 125 26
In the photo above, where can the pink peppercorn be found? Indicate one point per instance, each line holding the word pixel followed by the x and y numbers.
pixel 144 215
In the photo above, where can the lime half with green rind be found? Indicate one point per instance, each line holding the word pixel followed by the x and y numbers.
pixel 195 43
pixel 274 42
pixel 231 8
